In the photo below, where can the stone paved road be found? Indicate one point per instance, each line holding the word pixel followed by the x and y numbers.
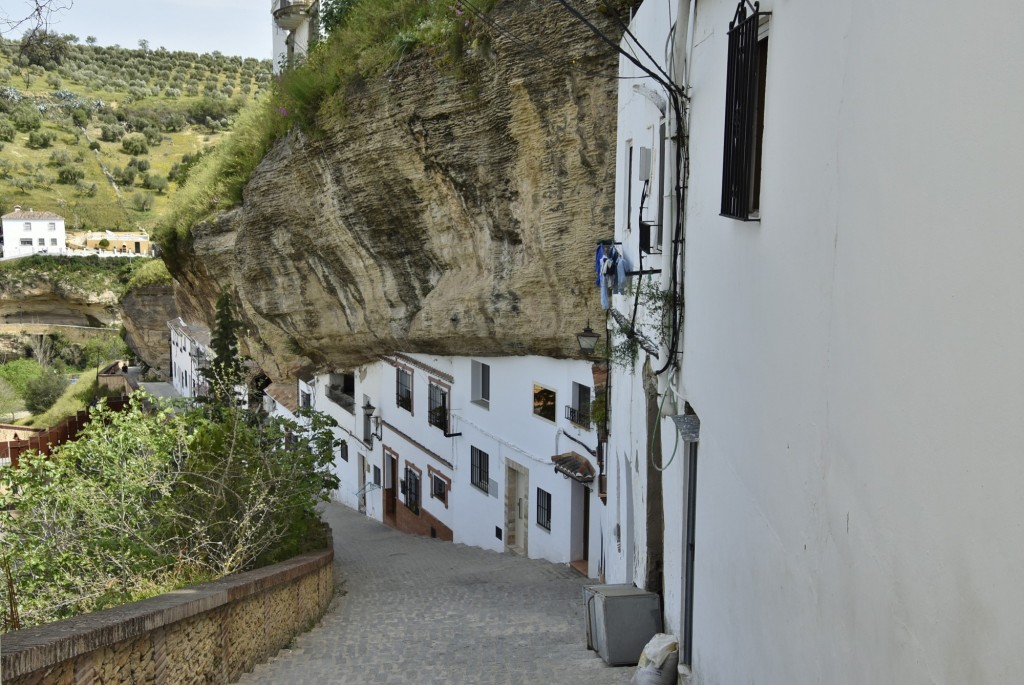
pixel 418 611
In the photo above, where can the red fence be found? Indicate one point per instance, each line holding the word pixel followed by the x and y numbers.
pixel 45 441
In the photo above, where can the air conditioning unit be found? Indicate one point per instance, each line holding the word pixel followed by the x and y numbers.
pixel 621 619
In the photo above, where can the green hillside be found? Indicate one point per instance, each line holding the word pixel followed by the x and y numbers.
pixel 105 135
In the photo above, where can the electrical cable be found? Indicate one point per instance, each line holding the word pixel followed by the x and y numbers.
pixel 537 51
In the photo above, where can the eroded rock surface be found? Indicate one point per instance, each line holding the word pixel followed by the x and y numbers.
pixel 442 215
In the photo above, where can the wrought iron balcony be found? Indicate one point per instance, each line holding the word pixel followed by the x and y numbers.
pixel 579 416
pixel 289 14
pixel 438 416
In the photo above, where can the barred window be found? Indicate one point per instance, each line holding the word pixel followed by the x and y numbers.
pixel 480 468
pixel 438 407
pixel 412 489
pixel 744 112
pixel 544 509
pixel 403 389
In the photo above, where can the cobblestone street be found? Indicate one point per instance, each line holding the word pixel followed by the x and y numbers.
pixel 417 611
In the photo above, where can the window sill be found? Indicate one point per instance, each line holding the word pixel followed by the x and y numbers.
pixel 485 404
pixel 486 491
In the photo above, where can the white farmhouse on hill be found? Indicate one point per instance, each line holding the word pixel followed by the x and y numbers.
pixel 28 232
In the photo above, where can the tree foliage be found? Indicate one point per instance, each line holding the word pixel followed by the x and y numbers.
pixel 43 47
pixel 225 371
pixel 43 390
pixel 148 500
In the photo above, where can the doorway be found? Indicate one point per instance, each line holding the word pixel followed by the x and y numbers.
pixel 390 488
pixel 517 507
pixel 362 484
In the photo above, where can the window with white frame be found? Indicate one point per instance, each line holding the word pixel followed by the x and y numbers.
pixel 579 411
pixel 42 242
pixel 28 226
pixel 544 402
pixel 53 241
pixel 481 374
pixel 479 468
pixel 544 509
pixel 51 226
pixel 26 242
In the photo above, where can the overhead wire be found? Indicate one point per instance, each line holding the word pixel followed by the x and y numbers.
pixel 537 51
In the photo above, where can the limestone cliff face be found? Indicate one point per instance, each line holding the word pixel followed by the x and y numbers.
pixel 438 215
pixel 43 300
pixel 146 312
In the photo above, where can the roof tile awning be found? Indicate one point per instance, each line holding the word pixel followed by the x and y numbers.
pixel 688 426
pixel 575 466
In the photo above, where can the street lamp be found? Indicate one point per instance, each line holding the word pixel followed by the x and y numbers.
pixel 588 339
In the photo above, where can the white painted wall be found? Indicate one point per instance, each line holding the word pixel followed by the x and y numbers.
pixel 854 357
pixel 44 236
pixel 643 106
pixel 186 376
pixel 506 430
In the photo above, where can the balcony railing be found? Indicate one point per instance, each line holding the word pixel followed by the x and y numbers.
pixel 341 398
pixel 578 416
pixel 438 416
pixel 289 14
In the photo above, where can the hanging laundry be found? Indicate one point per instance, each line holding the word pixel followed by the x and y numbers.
pixel 621 267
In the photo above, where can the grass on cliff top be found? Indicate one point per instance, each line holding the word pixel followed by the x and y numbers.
pixel 374 36
pixel 86 275
pixel 151 272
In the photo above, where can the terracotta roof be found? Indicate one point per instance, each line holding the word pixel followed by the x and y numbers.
pixel 285 394
pixel 22 214
pixel 575 466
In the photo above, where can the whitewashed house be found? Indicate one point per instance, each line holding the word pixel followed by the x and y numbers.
pixel 497 453
pixel 27 232
pixel 190 354
pixel 296 29
pixel 848 365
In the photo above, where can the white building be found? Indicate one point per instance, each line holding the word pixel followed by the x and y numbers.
pixel 497 453
pixel 190 354
pixel 850 344
pixel 296 29
pixel 30 232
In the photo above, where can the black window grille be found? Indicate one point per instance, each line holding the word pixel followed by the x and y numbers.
pixel 412 489
pixel 438 407
pixel 480 468
pixel 544 509
pixel 403 389
pixel 744 110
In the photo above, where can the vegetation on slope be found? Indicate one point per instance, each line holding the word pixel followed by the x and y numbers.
pixel 104 135
pixel 367 37
pixel 147 501
pixel 78 275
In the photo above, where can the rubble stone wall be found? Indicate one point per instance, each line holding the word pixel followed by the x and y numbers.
pixel 211 633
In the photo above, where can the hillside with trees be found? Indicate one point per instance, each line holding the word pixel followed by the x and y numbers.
pixel 106 135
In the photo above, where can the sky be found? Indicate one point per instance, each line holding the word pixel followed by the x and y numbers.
pixel 234 27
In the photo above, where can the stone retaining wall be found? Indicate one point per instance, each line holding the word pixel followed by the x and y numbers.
pixel 209 633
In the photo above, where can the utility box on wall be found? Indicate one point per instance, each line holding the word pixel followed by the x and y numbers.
pixel 621 619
